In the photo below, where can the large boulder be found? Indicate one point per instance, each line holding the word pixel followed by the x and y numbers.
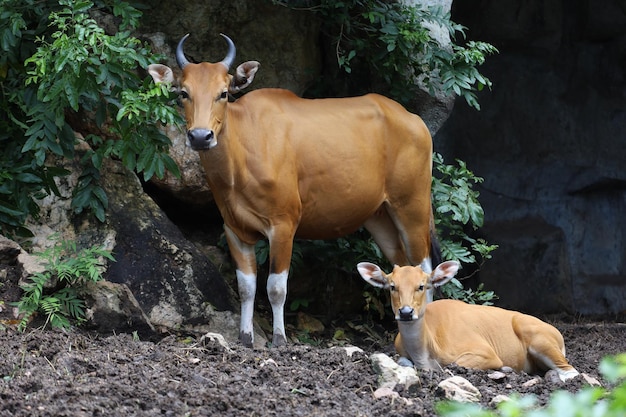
pixel 173 282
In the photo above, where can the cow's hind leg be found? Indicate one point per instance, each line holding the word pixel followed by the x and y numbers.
pixel 386 236
pixel 281 245
pixel 403 239
pixel 245 259
pixel 413 223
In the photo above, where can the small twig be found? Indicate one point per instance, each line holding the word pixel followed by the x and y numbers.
pixel 299 391
pixel 338 42
pixel 50 363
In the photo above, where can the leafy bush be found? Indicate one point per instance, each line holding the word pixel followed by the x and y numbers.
pixel 61 72
pixel 588 402
pixel 53 292
pixel 456 209
pixel 398 42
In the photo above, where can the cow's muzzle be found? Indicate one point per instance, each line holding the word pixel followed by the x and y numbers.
pixel 406 313
pixel 201 139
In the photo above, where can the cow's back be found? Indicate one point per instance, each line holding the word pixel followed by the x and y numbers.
pixel 349 155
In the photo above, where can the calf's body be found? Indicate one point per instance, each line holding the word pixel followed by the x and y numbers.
pixel 474 336
pixel 482 337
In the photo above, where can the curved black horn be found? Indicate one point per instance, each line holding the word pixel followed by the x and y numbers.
pixel 230 56
pixel 180 55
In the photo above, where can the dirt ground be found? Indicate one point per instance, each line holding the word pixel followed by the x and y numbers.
pixel 78 373
pixel 82 373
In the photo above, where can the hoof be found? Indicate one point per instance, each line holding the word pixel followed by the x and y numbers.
pixel 406 362
pixel 279 340
pixel 246 339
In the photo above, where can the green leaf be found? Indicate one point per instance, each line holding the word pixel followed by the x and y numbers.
pixel 28 178
pixel 99 193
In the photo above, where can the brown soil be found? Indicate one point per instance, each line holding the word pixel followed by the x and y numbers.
pixel 77 373
pixel 81 373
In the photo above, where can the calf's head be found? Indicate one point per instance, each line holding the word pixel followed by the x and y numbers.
pixel 204 89
pixel 408 285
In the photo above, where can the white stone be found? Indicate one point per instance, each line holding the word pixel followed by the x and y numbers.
pixel 459 389
pixel 392 374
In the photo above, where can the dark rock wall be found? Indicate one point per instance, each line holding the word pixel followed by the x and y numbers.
pixel 283 40
pixel 551 146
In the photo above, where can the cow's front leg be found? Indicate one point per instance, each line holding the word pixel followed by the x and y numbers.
pixel 281 244
pixel 245 259
pixel 277 294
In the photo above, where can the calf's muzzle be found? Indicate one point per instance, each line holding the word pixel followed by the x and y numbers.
pixel 406 313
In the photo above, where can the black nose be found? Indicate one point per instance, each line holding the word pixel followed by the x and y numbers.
pixel 200 138
pixel 406 313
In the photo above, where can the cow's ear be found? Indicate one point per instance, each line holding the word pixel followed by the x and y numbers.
pixel 243 76
pixel 161 73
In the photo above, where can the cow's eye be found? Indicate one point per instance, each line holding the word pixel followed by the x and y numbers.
pixel 224 95
pixel 184 95
pixel 392 287
pixel 420 288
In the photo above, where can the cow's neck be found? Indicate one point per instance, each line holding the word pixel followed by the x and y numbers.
pixel 414 336
pixel 224 164
pixel 227 174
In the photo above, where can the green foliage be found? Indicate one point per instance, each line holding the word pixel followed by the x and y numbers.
pixel 457 208
pixel 61 72
pixel 399 42
pixel 588 402
pixel 53 292
pixel 299 303
pixel 455 290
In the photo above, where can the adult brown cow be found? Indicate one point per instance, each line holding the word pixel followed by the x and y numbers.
pixel 281 167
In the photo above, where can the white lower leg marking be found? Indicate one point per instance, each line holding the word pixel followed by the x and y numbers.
pixel 277 294
pixel 564 375
pixel 247 290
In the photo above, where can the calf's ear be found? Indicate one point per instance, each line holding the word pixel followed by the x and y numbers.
pixel 444 272
pixel 373 275
pixel 243 76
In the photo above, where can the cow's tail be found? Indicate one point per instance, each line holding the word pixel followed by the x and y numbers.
pixel 435 248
